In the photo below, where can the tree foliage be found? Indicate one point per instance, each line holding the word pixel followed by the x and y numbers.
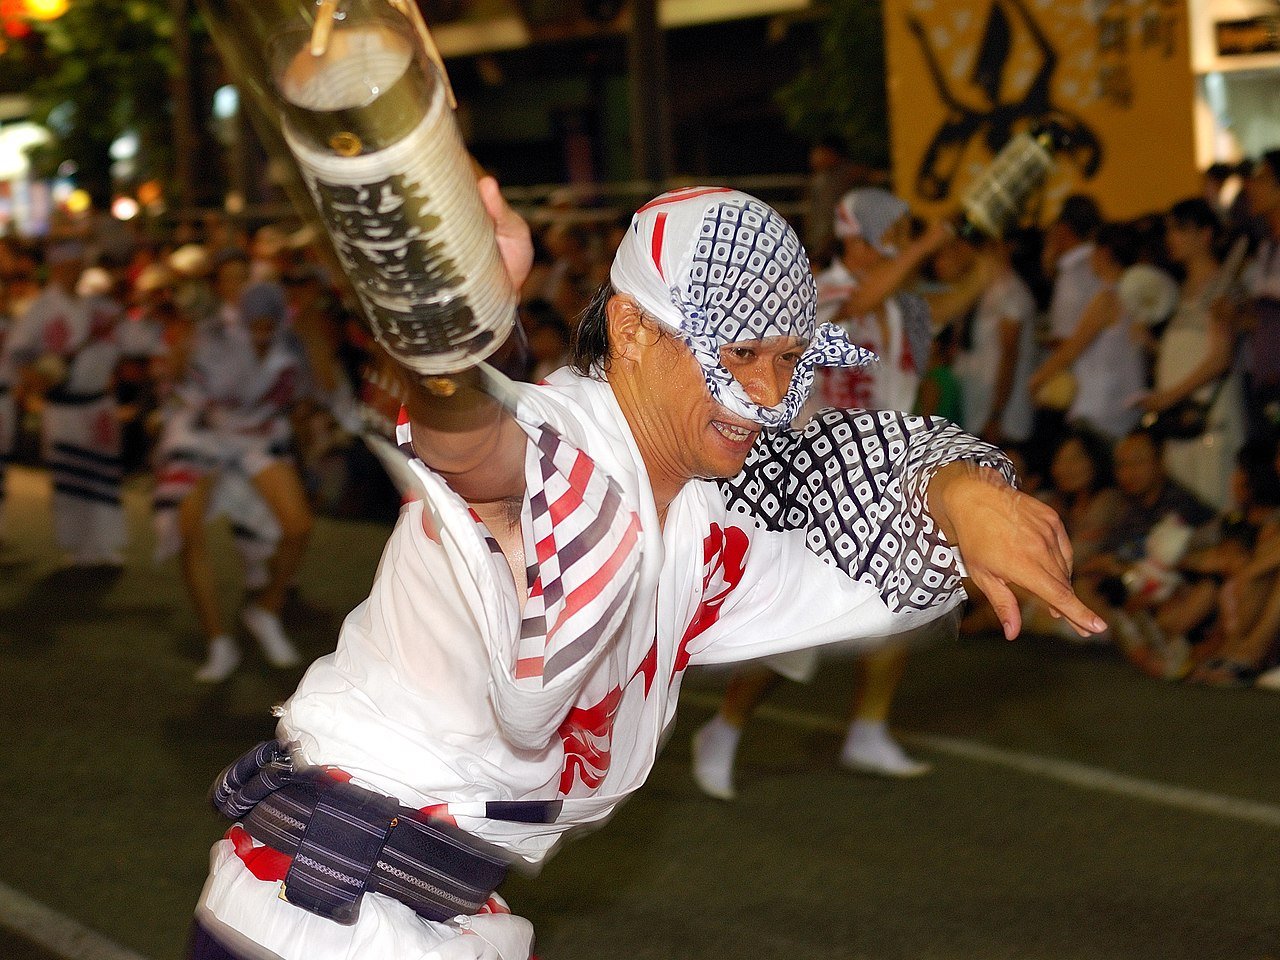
pixel 106 69
pixel 841 91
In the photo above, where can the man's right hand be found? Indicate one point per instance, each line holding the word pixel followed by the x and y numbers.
pixel 514 241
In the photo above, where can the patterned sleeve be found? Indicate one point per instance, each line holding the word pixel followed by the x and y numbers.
pixel 855 481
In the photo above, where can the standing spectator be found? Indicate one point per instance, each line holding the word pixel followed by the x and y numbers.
pixel 1194 358
pixel 997 352
pixel 1067 258
pixel 1262 281
pixel 1102 352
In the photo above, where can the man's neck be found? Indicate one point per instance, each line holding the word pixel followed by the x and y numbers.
pixel 665 482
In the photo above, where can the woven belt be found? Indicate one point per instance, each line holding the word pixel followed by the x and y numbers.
pixel 346 841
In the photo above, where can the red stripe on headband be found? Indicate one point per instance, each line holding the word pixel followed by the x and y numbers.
pixel 659 228
pixel 687 194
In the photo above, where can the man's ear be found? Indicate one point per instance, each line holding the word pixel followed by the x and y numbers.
pixel 630 331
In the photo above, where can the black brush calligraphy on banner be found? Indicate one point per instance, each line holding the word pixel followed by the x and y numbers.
pixel 997 119
pixel 382 234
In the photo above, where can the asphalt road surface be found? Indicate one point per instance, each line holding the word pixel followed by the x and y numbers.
pixel 1076 810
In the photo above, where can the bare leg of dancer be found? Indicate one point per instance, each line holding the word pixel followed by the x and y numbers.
pixel 283 492
pixel 198 575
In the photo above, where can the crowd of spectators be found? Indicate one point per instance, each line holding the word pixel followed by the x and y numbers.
pixel 1131 369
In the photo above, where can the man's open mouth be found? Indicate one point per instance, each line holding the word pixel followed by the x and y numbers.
pixel 733 432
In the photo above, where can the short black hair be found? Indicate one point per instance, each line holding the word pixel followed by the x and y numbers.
pixel 1081 214
pixel 1272 159
pixel 589 351
pixel 1194 212
pixel 1098 449
pixel 1122 241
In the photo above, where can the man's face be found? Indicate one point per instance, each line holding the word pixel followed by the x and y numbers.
pixel 682 432
pixel 1137 466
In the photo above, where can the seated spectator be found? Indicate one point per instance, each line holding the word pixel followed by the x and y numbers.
pixel 1183 630
pixel 1248 624
pixel 1080 490
pixel 1132 573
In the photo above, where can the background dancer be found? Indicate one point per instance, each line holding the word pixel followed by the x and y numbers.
pixel 66 350
pixel 231 415
pixel 521 653
pixel 864 291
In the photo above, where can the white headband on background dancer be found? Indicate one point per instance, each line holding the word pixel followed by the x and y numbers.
pixel 717 266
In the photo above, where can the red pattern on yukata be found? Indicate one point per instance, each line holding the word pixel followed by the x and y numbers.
pixel 588 742
pixel 724 558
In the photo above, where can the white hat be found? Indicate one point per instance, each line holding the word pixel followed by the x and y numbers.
pixel 190 260
pixel 94 282
pixel 154 276
pixel 868 213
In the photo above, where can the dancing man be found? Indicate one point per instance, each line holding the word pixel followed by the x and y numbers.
pixel 511 675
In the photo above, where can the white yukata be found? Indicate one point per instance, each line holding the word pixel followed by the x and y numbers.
pixel 1110 374
pixel 229 416
pixel 443 694
pixel 1007 299
pixel 81 433
pixel 892 382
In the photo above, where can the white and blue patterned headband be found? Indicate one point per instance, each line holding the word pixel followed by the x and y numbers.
pixel 718 266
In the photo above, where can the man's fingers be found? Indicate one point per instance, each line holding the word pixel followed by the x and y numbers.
pixel 1061 598
pixel 1003 602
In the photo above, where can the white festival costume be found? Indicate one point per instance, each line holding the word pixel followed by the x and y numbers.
pixel 444 694
pixel 440 693
pixel 81 433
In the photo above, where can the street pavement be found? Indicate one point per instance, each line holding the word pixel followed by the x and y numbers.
pixel 1076 810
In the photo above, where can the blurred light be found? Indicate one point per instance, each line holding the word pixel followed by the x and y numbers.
pixel 15 140
pixel 78 201
pixel 68 168
pixel 124 147
pixel 62 118
pixel 124 208
pixel 234 204
pixel 226 102
pixel 45 9
pixel 150 192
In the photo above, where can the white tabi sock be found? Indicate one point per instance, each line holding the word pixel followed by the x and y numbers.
pixel 869 748
pixel 266 629
pixel 714 747
pixel 224 657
